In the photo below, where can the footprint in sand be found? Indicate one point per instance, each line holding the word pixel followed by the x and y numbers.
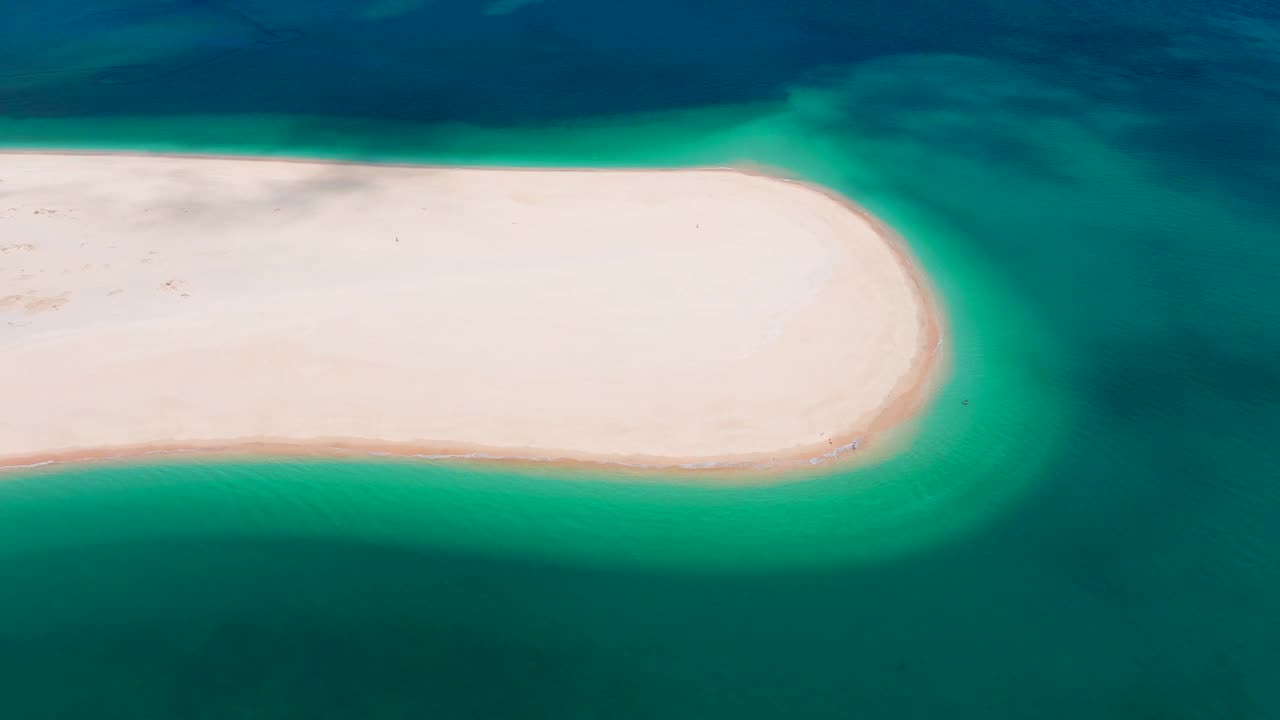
pixel 32 303
pixel 45 304
pixel 179 287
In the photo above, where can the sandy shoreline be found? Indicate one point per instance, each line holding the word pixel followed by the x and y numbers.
pixel 702 318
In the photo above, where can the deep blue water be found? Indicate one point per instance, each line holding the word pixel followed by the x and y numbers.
pixel 1095 188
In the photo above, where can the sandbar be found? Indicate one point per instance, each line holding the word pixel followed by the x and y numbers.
pixel 684 318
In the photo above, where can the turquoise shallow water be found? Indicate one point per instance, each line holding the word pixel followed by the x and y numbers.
pixel 1092 189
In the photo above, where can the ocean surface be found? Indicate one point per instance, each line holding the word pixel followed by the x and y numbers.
pixel 1094 187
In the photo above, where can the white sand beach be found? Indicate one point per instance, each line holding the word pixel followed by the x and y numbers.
pixel 641 317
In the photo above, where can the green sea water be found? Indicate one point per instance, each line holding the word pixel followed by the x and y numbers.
pixel 1096 534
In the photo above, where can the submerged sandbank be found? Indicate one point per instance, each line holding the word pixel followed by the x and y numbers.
pixel 697 318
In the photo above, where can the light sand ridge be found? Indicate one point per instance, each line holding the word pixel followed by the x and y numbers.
pixel 659 318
